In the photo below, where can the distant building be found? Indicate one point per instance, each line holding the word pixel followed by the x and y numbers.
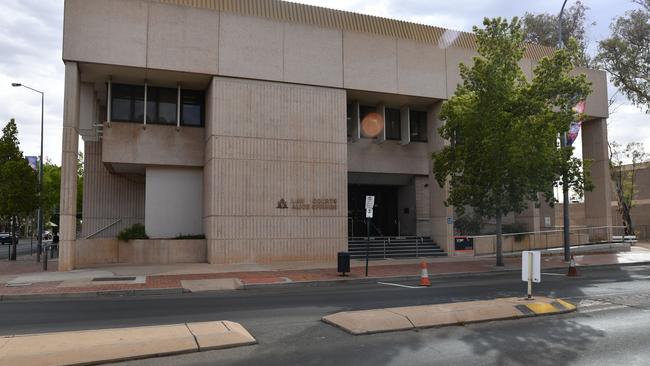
pixel 241 121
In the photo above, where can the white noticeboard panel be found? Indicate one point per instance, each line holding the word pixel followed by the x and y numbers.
pixel 370 202
pixel 537 266
pixel 369 213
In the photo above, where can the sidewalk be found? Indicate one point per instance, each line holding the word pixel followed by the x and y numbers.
pixel 25 281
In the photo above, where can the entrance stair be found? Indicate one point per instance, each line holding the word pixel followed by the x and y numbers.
pixel 382 247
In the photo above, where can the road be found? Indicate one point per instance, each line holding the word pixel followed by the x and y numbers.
pixel 23 248
pixel 612 326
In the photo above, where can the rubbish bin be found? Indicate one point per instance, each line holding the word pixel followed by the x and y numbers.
pixel 343 263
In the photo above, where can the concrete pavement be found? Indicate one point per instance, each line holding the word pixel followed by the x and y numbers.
pixel 108 345
pixel 428 316
pixel 193 277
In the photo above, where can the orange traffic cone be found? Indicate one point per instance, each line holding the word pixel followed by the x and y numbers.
pixel 424 275
pixel 572 268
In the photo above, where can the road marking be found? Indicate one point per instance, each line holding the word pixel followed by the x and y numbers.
pixel 593 309
pixel 399 285
pixel 553 274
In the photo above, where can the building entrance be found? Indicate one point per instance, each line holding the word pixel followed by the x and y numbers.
pixel 384 221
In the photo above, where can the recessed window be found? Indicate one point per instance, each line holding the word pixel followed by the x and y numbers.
pixel 126 100
pixel 393 124
pixel 127 105
pixel 192 103
pixel 418 126
pixel 365 110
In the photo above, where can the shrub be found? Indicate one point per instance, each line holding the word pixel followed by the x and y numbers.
pixel 469 224
pixel 516 227
pixel 131 233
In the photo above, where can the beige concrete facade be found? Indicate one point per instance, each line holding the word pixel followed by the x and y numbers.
pixel 277 78
pixel 287 145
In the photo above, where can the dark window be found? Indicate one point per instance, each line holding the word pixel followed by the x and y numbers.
pixel 350 126
pixel 161 105
pixel 365 110
pixel 192 108
pixel 126 104
pixel 393 125
pixel 418 125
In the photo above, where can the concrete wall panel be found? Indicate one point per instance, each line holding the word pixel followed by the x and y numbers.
pixel 183 38
pixel 454 57
pixel 250 47
pixel 366 156
pixel 173 202
pixel 157 144
pixel 282 142
pixel 106 31
pixel 109 197
pixel 312 55
pixel 421 69
pixel 596 105
pixel 369 62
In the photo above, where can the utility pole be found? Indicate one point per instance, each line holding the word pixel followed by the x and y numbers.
pixel 563 144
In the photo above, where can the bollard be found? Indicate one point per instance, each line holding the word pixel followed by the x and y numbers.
pixel 45 257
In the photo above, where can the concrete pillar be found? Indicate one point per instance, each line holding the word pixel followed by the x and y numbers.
pixel 442 229
pixel 598 210
pixel 70 149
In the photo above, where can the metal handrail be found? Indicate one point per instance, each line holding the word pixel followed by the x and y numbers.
pixel 102 229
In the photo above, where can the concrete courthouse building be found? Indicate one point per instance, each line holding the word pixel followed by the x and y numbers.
pixel 240 120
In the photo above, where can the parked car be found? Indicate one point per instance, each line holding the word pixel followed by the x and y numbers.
pixel 5 238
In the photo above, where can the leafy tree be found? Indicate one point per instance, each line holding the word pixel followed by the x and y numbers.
pixel 624 177
pixel 51 190
pixel 503 130
pixel 542 29
pixel 18 182
pixel 626 54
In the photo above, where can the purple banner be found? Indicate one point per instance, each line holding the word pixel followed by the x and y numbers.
pixel 574 128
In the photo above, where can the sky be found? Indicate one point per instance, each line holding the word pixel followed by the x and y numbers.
pixel 31 37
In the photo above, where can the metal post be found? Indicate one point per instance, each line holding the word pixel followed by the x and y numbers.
pixel 367 243
pixel 563 143
pixel 39 247
pixel 530 275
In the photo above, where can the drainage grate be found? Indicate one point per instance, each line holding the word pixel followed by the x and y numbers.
pixel 113 279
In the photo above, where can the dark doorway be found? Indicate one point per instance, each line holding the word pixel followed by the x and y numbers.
pixel 384 221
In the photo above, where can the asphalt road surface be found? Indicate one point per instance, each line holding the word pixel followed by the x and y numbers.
pixel 23 248
pixel 611 328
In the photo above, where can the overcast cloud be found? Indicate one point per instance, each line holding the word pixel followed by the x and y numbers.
pixel 31 54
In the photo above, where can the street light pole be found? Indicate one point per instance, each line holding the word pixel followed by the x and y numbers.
pixel 563 143
pixel 39 246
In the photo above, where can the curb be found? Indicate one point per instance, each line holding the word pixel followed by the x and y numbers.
pixel 363 280
pixel 294 284
pixel 92 294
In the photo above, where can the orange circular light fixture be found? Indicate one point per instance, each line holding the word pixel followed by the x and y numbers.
pixel 372 125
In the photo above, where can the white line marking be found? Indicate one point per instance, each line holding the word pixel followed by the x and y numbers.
pixel 398 285
pixel 553 274
pixel 597 309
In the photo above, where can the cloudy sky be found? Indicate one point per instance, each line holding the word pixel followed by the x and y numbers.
pixel 31 32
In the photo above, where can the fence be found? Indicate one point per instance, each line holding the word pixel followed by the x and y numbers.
pixel 517 242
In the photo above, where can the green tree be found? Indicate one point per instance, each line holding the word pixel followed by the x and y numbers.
pixel 18 182
pixel 626 54
pixel 542 29
pixel 51 191
pixel 624 177
pixel 503 130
